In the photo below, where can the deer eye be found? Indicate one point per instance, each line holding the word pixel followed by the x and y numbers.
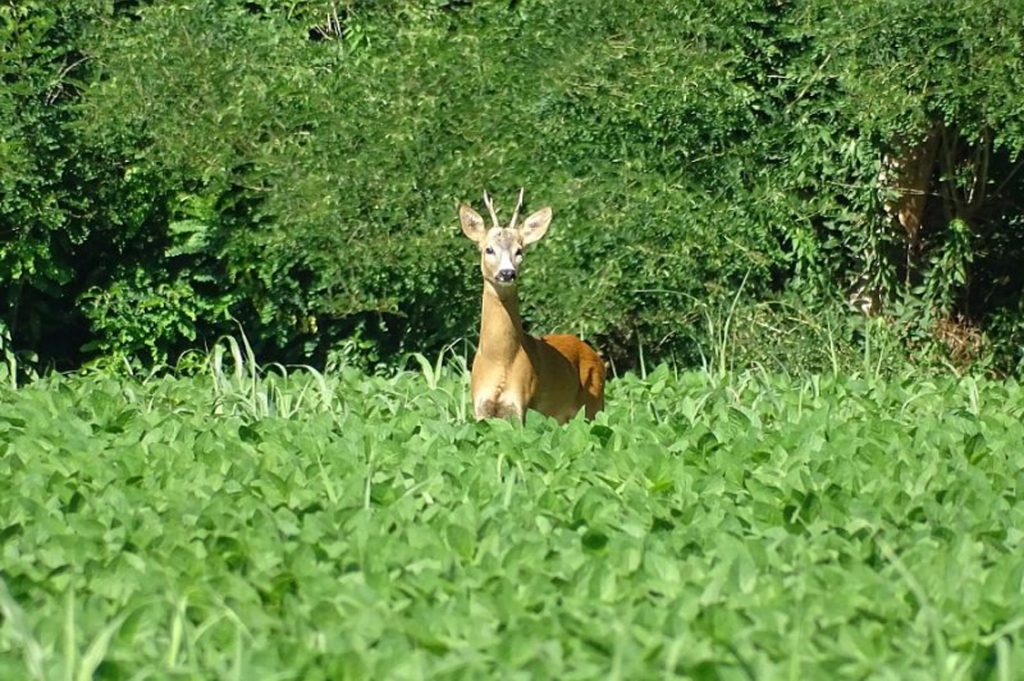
pixel 519 252
pixel 489 251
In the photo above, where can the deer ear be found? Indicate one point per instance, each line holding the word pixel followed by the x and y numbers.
pixel 535 226
pixel 472 223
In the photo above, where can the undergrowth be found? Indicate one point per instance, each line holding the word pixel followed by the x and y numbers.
pixel 279 522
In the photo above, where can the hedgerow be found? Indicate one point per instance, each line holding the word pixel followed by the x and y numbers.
pixel 172 169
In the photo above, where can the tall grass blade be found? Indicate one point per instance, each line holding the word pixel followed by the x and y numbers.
pixel 14 617
pixel 97 650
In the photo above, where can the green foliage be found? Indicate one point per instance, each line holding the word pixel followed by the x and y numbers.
pixel 295 165
pixel 321 179
pixel 756 526
pixel 38 67
pixel 859 93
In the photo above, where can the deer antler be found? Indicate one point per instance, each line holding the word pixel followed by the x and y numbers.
pixel 515 213
pixel 490 207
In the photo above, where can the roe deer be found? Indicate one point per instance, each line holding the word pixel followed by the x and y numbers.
pixel 556 375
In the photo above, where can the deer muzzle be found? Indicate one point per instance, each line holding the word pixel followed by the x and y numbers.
pixel 505 276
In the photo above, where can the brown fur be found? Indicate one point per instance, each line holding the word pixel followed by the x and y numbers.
pixel 589 369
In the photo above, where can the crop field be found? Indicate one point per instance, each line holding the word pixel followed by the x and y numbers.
pixel 342 526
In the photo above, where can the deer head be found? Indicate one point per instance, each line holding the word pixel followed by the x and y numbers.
pixel 501 248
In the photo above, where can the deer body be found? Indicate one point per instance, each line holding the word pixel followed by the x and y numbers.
pixel 513 371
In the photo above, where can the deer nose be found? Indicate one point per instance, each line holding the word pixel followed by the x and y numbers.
pixel 505 275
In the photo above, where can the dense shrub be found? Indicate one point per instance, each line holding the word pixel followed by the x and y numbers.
pixel 41 66
pixel 875 116
pixel 296 165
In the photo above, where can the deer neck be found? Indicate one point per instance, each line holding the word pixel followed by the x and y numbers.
pixel 501 328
